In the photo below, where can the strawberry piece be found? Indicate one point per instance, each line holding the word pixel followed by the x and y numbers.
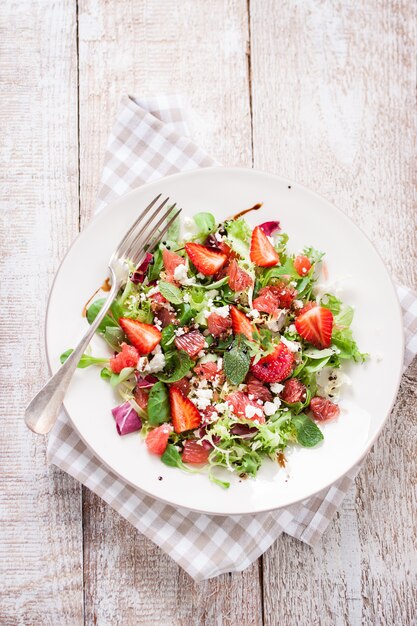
pixel 141 396
pixel 241 323
pixel 184 414
pixel 208 370
pixel 307 307
pixel 262 252
pixel 157 439
pixel 294 391
pixel 257 389
pixel 239 402
pixel 274 367
pixel 217 324
pixel 238 278
pixel 191 342
pixel 171 262
pixel 302 265
pixel 316 326
pixel 206 260
pixel 128 357
pixel 323 409
pixel 144 337
pixel 183 384
pixel 194 453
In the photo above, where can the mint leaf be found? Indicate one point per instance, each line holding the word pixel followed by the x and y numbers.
pixel 178 364
pixel 167 337
pixel 172 458
pixel 308 433
pixel 237 361
pixel 94 310
pixel 85 360
pixel 158 405
pixel 170 292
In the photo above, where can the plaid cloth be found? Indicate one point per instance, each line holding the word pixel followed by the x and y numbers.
pixel 149 140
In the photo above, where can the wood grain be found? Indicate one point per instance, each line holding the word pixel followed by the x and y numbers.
pixel 199 49
pixel 333 108
pixel 40 527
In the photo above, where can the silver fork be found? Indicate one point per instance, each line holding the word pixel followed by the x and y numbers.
pixel 42 411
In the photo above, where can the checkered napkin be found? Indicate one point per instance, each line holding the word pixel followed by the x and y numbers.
pixel 149 140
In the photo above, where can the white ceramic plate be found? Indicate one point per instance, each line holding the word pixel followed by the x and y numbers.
pixel 309 220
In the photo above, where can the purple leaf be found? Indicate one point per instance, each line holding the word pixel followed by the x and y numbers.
pixel 127 420
pixel 270 228
pixel 243 430
pixel 145 381
pixel 139 274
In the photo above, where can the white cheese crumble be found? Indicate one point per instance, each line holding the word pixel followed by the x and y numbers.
pixel 298 304
pixel 223 311
pixel 179 331
pixel 276 388
pixel 293 346
pixel 180 272
pixel 186 297
pixel 156 364
pixel 251 411
pixel 269 408
pixel 292 329
pixel 254 314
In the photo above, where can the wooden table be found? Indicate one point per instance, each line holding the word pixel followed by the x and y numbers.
pixel 320 91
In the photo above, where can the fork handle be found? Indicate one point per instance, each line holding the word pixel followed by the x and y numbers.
pixel 42 412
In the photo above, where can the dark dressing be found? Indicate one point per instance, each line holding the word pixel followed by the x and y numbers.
pixel 106 286
pixel 255 207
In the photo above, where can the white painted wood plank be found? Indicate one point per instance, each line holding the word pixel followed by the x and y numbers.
pixel 199 49
pixel 333 108
pixel 40 508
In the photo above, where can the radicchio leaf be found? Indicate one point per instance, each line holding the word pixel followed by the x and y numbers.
pixel 145 381
pixel 243 430
pixel 127 420
pixel 139 274
pixel 270 228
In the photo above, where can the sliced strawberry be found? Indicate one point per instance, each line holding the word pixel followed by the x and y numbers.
pixel 184 414
pixel 306 307
pixel 239 402
pixel 302 265
pixel 208 371
pixel 238 278
pixel 262 252
pixel 257 389
pixel 268 302
pixel 171 262
pixel 241 323
pixel 294 391
pixel 144 337
pixel 157 439
pixel 141 396
pixel 274 367
pixel 194 453
pixel 206 260
pixel 323 409
pixel 217 324
pixel 128 357
pixel 316 326
pixel 183 384
pixel 191 342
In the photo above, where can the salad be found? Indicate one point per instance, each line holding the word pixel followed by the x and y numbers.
pixel 226 349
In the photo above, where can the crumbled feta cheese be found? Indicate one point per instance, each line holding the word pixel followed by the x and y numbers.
pixel 221 407
pixel 179 331
pixel 218 237
pixel 153 291
pixel 142 363
pixel 223 311
pixel 210 302
pixel 201 354
pixel 156 364
pixel 254 314
pixel 293 283
pixel 142 296
pixel 277 402
pixel 251 396
pixel 212 293
pixel 242 387
pixel 269 408
pixel 201 276
pixel 157 350
pixel 180 272
pixel 251 411
pixel 292 329
pixel 293 346
pixel 219 363
pixel 276 388
pixel 186 297
pixel 203 398
pixel 298 304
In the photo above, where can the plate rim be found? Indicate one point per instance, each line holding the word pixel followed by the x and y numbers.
pixel 188 173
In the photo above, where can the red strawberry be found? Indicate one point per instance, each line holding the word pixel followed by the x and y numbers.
pixel 239 401
pixel 191 342
pixel 274 367
pixel 194 453
pixel 238 278
pixel 241 323
pixel 183 385
pixel 323 409
pixel 141 397
pixel 171 262
pixel 208 370
pixel 262 252
pixel 257 389
pixel 184 414
pixel 128 357
pixel 302 265
pixel 217 324
pixel 157 439
pixel 306 307
pixel 315 326
pixel 294 391
pixel 206 260
pixel 144 337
